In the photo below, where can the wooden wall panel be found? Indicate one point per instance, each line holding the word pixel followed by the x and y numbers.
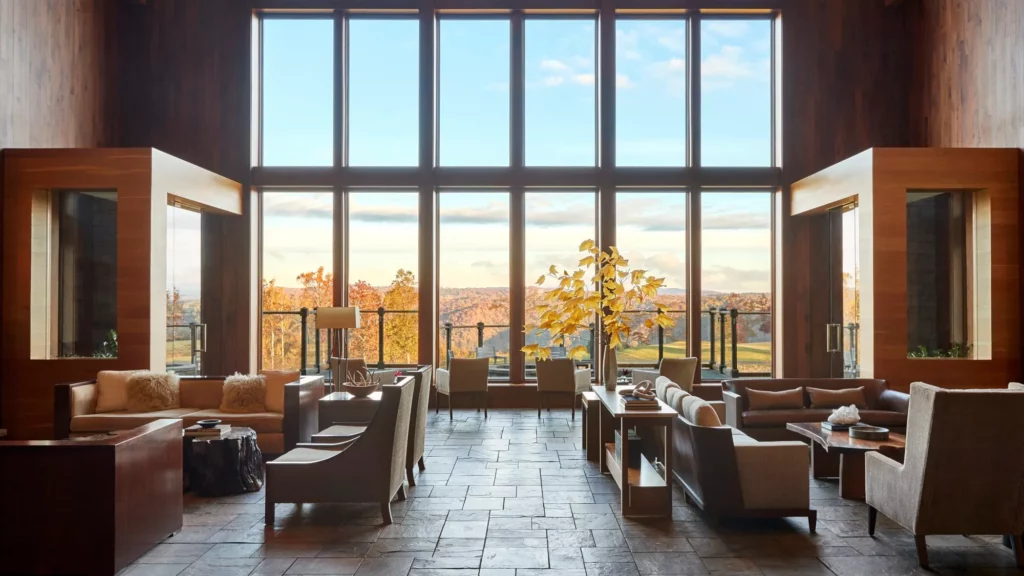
pixel 184 71
pixel 844 69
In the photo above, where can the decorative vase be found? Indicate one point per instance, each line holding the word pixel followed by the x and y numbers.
pixel 611 369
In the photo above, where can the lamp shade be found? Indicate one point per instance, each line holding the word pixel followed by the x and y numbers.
pixel 337 317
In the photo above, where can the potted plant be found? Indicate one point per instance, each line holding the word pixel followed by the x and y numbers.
pixel 603 285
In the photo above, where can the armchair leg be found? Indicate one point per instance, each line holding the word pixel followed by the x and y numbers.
pixel 1018 550
pixel 922 550
pixel 540 403
pixel 401 493
pixel 574 406
pixel 423 465
pixel 385 512
pixel 872 516
pixel 451 415
pixel 409 477
pixel 268 513
pixel 812 521
pixel 486 398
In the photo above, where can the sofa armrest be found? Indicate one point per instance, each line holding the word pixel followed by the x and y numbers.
pixel 733 409
pixel 71 399
pixel 894 401
pixel 709 392
pixel 581 379
pixel 442 381
pixel 882 483
pixel 301 409
pixel 773 475
pixel 719 408
pixel 637 376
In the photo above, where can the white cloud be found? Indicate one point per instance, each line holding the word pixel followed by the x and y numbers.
pixel 583 79
pixel 552 64
pixel 622 81
pixel 553 80
pixel 673 39
pixel 727 28
pixel 728 63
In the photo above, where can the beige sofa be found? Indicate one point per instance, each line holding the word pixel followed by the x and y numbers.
pixel 200 398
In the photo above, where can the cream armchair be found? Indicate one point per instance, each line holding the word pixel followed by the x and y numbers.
pixel 683 372
pixel 963 468
pixel 367 468
pixel 560 376
pixel 463 376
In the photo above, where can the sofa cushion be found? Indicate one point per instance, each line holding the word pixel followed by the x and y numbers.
pixel 122 420
pixel 824 398
pixel 276 380
pixel 775 400
pixel 112 390
pixel 662 384
pixel 883 418
pixel 152 391
pixel 777 418
pixel 244 394
pixel 674 398
pixel 260 422
pixel 699 412
pixel 201 393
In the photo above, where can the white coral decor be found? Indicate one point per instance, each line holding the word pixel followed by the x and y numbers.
pixel 845 415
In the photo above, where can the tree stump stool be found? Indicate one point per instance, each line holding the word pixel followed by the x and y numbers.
pixel 231 464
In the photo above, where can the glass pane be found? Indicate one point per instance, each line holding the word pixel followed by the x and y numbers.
pixel 650 93
pixel 85 266
pixel 474 93
pixel 651 234
pixel 298 92
pixel 560 93
pixel 473 277
pixel 940 258
pixel 736 258
pixel 851 292
pixel 383 91
pixel 297 273
pixel 736 96
pixel 556 224
pixel 382 271
pixel 184 289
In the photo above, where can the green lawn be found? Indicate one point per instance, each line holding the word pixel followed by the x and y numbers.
pixel 757 353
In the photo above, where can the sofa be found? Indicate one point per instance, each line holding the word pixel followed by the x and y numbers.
pixel 200 398
pixel 884 407
pixel 682 371
pixel 728 474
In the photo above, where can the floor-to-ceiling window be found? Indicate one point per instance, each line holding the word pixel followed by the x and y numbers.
pixel 456 154
pixel 184 290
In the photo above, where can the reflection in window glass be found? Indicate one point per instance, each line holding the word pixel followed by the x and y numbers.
pixel 736 260
pixel 736 98
pixel 297 272
pixel 383 79
pixel 473 269
pixel 184 284
pixel 473 97
pixel 382 272
pixel 560 93
pixel 651 234
pixel 298 92
pixel 556 224
pixel 650 92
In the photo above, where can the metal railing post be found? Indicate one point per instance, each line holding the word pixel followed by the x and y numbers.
pixel 448 344
pixel 316 348
pixel 303 314
pixel 380 337
pixel 733 314
pixel 661 344
pixel 721 335
pixel 711 337
pixel 480 334
pixel 192 341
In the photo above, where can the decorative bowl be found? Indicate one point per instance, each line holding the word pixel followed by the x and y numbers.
pixel 359 391
pixel 865 432
pixel 208 423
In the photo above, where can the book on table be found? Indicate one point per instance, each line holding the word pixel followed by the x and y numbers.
pixel 826 425
pixel 217 431
pixel 630 402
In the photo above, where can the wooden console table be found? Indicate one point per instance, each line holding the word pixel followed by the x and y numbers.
pixel 644 491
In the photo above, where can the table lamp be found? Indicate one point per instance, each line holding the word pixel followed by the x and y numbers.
pixel 337 318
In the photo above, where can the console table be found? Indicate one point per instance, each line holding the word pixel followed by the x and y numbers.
pixel 644 491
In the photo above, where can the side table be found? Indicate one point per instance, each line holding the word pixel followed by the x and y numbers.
pixel 230 464
pixel 343 407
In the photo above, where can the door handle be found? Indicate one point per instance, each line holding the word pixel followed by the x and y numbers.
pixel 830 340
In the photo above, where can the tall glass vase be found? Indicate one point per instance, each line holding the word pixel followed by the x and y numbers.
pixel 611 368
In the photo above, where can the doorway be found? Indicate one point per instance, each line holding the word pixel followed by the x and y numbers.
pixel 842 329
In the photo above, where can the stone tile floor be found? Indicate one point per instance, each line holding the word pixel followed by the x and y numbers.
pixel 513 495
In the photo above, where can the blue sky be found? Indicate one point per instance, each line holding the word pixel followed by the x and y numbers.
pixel 473 125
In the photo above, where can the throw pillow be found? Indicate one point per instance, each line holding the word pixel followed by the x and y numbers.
pixel 823 398
pixel 112 390
pixel 661 387
pixel 275 382
pixel 699 412
pixel 151 391
pixel 781 400
pixel 1016 386
pixel 244 394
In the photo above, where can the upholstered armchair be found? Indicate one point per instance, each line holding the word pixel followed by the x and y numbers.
pixel 560 376
pixel 682 371
pixel 962 471
pixel 367 468
pixel 463 376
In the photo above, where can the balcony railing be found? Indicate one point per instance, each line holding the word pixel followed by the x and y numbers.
pixel 724 357
pixel 195 334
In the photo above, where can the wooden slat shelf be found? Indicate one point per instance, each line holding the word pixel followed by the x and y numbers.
pixel 643 477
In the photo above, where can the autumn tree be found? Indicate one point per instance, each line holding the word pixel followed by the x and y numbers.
pixel 362 342
pixel 317 289
pixel 400 329
pixel 281 338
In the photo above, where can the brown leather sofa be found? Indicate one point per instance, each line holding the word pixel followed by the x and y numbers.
pixel 200 398
pixel 885 407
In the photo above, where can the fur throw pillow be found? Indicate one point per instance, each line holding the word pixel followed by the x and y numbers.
pixel 244 394
pixel 152 391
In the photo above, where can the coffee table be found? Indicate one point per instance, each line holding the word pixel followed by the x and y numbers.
pixel 218 466
pixel 837 454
